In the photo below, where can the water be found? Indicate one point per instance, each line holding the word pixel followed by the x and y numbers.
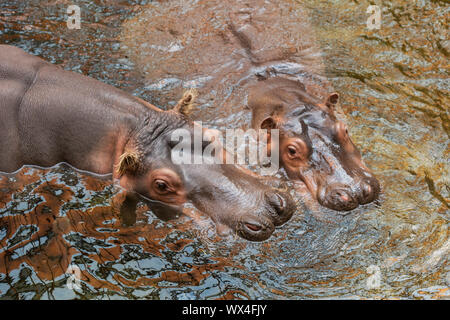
pixel 394 89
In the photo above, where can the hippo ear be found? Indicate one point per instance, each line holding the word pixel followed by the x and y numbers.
pixel 184 105
pixel 332 100
pixel 269 123
pixel 128 162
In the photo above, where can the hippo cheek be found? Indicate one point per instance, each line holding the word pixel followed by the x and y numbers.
pixel 294 173
pixel 308 178
pixel 255 228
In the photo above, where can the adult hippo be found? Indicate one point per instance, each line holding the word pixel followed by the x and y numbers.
pixel 49 116
pixel 263 55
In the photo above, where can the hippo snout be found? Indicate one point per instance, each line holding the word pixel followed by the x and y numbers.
pixel 279 208
pixel 338 198
pixel 345 198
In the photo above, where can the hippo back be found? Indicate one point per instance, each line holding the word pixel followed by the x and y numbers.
pixel 49 115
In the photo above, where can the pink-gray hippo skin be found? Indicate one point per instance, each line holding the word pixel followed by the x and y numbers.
pixel 49 116
pixel 262 55
pixel 314 146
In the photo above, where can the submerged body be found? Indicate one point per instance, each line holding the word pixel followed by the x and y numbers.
pixel 49 116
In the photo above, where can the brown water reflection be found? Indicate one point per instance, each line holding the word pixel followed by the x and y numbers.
pixel 54 218
pixel 394 88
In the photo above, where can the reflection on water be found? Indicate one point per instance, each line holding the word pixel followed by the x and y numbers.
pixel 55 218
pixel 394 88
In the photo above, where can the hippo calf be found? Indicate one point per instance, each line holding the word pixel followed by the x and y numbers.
pixel 49 116
pixel 314 146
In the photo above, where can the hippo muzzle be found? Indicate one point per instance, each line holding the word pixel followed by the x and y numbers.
pixel 238 202
pixel 348 197
pixel 340 183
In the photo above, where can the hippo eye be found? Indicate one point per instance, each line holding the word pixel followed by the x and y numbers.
pixel 296 149
pixel 341 131
pixel 161 186
pixel 292 151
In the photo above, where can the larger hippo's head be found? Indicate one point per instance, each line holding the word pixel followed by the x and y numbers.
pixel 314 145
pixel 229 195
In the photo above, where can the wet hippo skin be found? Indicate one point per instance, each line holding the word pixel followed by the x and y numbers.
pixel 49 116
pixel 315 146
pixel 261 56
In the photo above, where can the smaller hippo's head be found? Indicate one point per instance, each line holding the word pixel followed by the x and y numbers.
pixel 314 146
pixel 234 199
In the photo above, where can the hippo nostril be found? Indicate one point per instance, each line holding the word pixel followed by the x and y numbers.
pixel 338 199
pixel 366 190
pixel 280 207
pixel 339 195
pixel 343 196
pixel 277 202
pixel 369 191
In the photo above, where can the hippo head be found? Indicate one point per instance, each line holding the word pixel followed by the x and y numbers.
pixel 314 146
pixel 234 199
